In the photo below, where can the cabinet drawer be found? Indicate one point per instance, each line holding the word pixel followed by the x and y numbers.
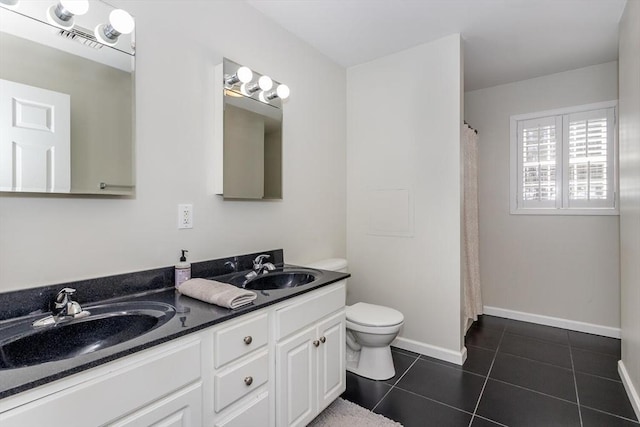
pixel 300 314
pixel 233 383
pixel 240 338
pixel 256 413
pixel 181 409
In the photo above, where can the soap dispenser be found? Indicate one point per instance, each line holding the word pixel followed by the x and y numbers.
pixel 183 269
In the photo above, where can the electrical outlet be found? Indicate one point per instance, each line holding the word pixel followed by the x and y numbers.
pixel 185 216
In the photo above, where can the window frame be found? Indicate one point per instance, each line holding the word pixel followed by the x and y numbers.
pixel 561 205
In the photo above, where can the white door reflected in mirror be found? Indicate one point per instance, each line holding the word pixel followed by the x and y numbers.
pixel 35 139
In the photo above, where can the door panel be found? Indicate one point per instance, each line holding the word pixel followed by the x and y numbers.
pixel 331 360
pixel 35 139
pixel 296 383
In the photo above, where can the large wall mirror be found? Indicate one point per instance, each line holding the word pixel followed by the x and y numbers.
pixel 248 136
pixel 66 97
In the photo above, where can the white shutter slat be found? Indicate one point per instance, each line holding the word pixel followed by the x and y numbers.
pixel 588 153
pixel 539 162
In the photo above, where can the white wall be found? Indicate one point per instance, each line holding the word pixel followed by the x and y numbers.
pixel 629 57
pixel 565 267
pixel 45 240
pixel 403 138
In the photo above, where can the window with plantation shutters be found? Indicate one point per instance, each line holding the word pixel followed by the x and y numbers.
pixel 564 161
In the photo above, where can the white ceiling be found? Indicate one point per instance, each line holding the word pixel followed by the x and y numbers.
pixel 504 40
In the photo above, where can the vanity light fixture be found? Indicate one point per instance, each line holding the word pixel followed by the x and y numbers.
pixel 264 83
pixel 120 22
pixel 61 14
pixel 282 92
pixel 244 75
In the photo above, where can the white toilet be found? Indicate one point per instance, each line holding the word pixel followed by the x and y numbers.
pixel 370 331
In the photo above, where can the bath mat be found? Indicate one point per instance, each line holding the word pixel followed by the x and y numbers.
pixel 342 413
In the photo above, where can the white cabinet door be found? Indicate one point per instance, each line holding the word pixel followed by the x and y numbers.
pixel 35 139
pixel 296 385
pixel 331 359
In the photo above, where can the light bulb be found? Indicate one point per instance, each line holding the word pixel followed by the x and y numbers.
pixel 265 83
pixel 75 7
pixel 121 21
pixel 61 14
pixel 244 74
pixel 9 4
pixel 283 91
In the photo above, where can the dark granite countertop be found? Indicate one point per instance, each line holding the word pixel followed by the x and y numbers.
pixel 191 316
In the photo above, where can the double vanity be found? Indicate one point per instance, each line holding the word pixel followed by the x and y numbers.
pixel 151 356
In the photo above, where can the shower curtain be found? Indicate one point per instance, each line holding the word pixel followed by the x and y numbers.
pixel 470 238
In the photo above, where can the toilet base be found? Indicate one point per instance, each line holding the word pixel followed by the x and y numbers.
pixel 374 363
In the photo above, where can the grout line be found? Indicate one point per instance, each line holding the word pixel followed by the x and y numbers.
pixel 444 364
pixel 489 419
pixel 495 356
pixel 598 376
pixel 394 384
pixel 549 364
pixel 575 383
pixel 529 337
pixel 534 391
pixel 611 414
pixel 600 353
pixel 434 401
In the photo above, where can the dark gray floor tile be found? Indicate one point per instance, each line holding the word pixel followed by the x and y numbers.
pixel 514 406
pixel 407 352
pixel 411 410
pixel 535 349
pixel 488 338
pixel 591 418
pixel 486 321
pixel 364 392
pixel 478 361
pixel 605 395
pixel 600 364
pixel 595 343
pixel 481 422
pixel 541 332
pixel 537 376
pixel 447 385
pixel 401 363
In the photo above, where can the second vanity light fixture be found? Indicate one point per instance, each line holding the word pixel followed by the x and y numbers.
pixel 245 82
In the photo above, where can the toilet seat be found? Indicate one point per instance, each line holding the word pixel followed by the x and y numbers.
pixel 373 316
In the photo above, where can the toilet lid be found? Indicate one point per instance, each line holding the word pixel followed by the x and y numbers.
pixel 373 315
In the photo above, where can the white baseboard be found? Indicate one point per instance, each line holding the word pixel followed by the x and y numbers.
pixel 634 397
pixel 572 325
pixel 457 357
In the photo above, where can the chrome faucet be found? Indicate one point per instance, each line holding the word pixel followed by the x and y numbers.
pixel 63 307
pixel 259 267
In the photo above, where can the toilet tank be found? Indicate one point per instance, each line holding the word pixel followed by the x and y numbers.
pixel 331 264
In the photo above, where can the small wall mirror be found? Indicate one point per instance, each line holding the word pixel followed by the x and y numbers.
pixel 248 136
pixel 66 97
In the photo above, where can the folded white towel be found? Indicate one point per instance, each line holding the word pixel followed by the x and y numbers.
pixel 218 293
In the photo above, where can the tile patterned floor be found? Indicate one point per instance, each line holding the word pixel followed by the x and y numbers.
pixel 516 374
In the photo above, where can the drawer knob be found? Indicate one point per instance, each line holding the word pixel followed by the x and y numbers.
pixel 248 339
pixel 316 343
pixel 248 380
pixel 323 339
